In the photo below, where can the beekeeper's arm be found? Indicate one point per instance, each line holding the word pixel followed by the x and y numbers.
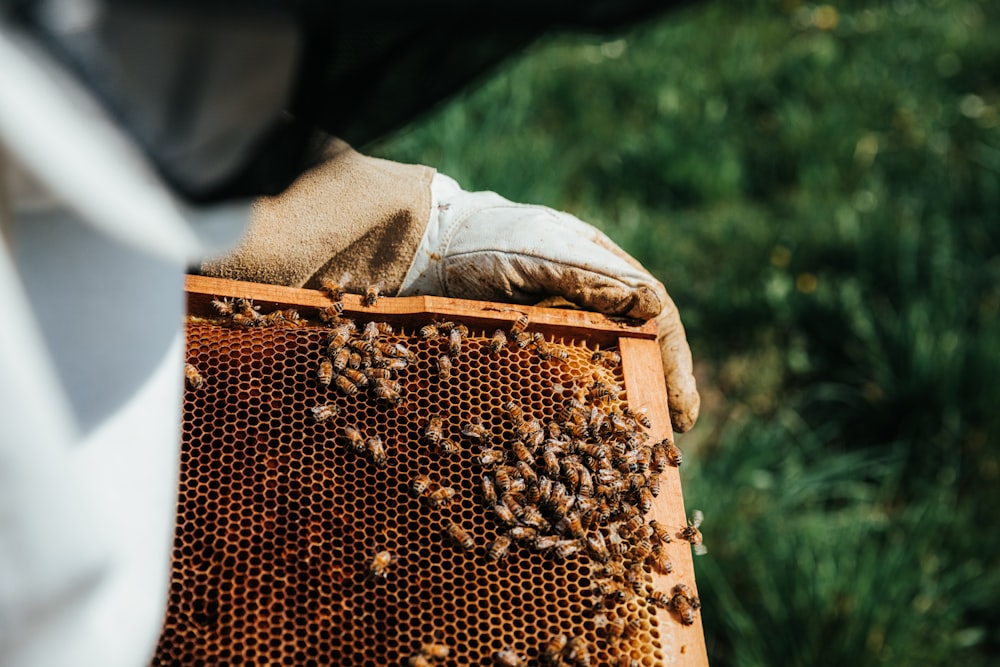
pixel 417 232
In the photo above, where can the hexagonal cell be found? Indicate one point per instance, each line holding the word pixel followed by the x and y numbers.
pixel 289 514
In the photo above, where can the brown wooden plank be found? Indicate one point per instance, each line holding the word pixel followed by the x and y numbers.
pixel 682 644
pixel 420 310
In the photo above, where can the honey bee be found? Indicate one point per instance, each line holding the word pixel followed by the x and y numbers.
pixel 397 364
pixel 566 549
pixel 444 367
pixel 447 446
pixel 612 568
pixel 692 534
pixel 684 604
pixel 420 485
pixel 222 306
pixel 592 450
pixel 429 331
pixel 192 378
pixel 616 544
pixel 613 627
pixel 527 474
pixel 519 325
pixel 435 430
pixel 372 293
pixel 489 492
pixel 330 314
pixel 497 342
pixel 640 548
pixel 498 548
pixel 346 387
pixel 522 453
pixel 356 377
pixel 503 479
pixel 660 560
pixel 504 514
pixel 605 590
pixel 645 500
pixel 639 416
pixel 555 432
pixel 571 525
pixel 521 339
pixel 508 657
pixel 476 430
pixel 376 451
pixel 551 461
pixel 626 660
pixel 513 412
pixel 533 518
pixel 387 390
pixel 340 358
pixel 598 548
pixel 378 373
pixel 454 342
pixel 674 455
pixel 379 565
pixel 458 535
pixel 442 496
pixel 334 290
pixel 516 508
pixel 354 439
pixel 577 653
pixel 609 358
pixel 491 457
pixel 523 533
pixel 419 660
pixel 435 650
pixel 636 578
pixel 338 339
pixel 321 413
pixel 325 372
pixel 552 649
pixel 546 542
pixel 660 532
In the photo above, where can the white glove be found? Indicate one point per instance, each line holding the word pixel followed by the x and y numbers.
pixel 479 245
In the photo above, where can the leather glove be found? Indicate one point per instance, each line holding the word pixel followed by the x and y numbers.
pixel 358 215
pixel 478 245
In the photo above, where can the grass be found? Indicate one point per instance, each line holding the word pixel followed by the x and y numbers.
pixel 818 187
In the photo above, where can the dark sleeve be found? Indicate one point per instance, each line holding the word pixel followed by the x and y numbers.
pixel 234 98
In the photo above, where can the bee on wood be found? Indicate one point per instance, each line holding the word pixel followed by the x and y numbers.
pixel 659 560
pixel 444 367
pixel 324 374
pixel 387 390
pixel 345 386
pixel 441 496
pixel 552 649
pixel 334 289
pixel 508 657
pixel 355 440
pixel 684 604
pixel 372 293
pixel 609 358
pixel 321 413
pixel 455 342
pixel 497 342
pixel 577 653
pixel 519 325
pixel 498 548
pixel 376 451
pixel 692 534
pixel 379 565
pixel 435 430
pixel 458 535
pixel 192 378
pixel 420 485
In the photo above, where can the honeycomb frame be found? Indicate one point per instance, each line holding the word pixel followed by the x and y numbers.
pixel 279 522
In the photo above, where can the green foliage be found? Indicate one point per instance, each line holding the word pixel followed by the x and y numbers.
pixel 819 188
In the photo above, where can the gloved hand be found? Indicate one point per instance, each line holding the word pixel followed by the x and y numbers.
pixel 417 232
pixel 478 245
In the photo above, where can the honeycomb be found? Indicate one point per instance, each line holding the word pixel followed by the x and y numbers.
pixel 295 546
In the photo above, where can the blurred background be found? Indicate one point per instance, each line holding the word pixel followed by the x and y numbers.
pixel 819 188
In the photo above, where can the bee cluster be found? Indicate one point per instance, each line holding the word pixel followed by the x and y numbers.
pixel 568 478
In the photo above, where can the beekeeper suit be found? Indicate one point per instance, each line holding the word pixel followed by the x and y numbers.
pixel 106 200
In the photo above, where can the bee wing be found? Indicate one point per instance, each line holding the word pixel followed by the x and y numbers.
pixel 696 518
pixel 700 550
